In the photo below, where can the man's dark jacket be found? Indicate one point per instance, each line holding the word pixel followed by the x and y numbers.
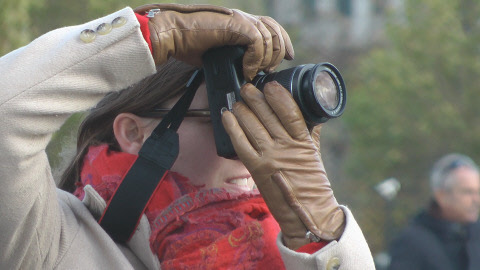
pixel 431 243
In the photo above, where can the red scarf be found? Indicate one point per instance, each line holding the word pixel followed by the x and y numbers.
pixel 193 228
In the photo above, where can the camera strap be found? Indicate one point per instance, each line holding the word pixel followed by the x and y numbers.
pixel 157 155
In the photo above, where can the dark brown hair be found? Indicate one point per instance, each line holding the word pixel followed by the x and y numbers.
pixel 140 98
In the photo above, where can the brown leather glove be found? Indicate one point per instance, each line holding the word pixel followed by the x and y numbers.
pixel 185 32
pixel 272 140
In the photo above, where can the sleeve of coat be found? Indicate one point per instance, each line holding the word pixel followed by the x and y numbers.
pixel 350 252
pixel 42 84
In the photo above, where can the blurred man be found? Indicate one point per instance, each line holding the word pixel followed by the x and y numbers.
pixel 446 235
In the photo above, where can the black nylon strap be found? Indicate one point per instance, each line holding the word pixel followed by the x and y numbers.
pixel 155 158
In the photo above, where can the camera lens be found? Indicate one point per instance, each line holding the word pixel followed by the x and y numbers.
pixel 318 90
pixel 325 91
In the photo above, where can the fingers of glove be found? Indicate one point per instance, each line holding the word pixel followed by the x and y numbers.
pixel 184 8
pixel 281 44
pixel 268 119
pixel 289 52
pixel 253 59
pixel 315 134
pixel 259 52
pixel 253 127
pixel 244 149
pixel 286 109
pixel 278 45
pixel 266 39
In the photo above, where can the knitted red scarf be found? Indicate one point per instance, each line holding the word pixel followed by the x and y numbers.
pixel 193 228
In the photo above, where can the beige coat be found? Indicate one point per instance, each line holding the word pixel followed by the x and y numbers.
pixel 42 227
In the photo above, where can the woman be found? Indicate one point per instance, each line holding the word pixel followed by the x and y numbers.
pixel 71 68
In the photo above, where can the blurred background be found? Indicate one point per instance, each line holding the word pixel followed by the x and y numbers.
pixel 412 70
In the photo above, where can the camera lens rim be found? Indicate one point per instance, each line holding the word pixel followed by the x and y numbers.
pixel 340 85
pixel 300 81
pixel 318 113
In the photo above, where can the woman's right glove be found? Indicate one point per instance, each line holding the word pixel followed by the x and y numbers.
pixel 271 138
pixel 186 32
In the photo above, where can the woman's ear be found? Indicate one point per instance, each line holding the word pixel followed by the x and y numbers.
pixel 131 131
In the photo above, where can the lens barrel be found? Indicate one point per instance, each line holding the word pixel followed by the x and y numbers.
pixel 319 90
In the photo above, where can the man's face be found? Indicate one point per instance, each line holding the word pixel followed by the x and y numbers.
pixel 461 203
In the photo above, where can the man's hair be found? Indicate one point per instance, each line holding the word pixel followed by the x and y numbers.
pixel 440 176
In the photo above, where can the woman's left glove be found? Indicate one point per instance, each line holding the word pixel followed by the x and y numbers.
pixel 272 140
pixel 185 32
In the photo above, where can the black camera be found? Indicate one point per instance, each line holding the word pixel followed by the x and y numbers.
pixel 318 90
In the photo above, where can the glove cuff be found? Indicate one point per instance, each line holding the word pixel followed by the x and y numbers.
pixel 329 228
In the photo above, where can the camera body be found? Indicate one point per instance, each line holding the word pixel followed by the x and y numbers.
pixel 318 90
pixel 223 78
